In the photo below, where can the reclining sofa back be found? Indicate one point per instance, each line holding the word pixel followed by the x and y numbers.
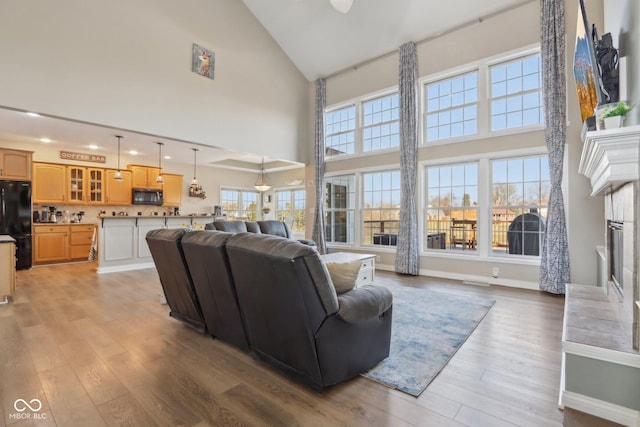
pixel 272 227
pixel 206 256
pixel 166 251
pixel 292 313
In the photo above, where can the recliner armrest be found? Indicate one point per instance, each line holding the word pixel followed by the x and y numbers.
pixel 307 242
pixel 364 303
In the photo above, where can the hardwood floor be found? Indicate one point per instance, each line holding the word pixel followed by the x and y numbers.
pixel 101 350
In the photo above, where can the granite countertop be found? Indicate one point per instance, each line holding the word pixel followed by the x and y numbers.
pixel 47 224
pixel 155 216
pixel 5 238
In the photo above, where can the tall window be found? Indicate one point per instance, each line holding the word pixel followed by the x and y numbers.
pixel 452 107
pixel 240 204
pixel 380 207
pixel 290 208
pixel 340 131
pixel 516 93
pixel 340 208
pixel 381 128
pixel 520 198
pixel 452 207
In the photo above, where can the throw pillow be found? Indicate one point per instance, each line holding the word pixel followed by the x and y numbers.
pixel 344 274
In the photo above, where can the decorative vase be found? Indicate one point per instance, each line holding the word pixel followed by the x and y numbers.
pixel 613 122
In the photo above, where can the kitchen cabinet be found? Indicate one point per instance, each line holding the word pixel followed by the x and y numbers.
pixel 172 190
pixel 7 266
pixel 49 183
pixel 55 243
pixel 80 242
pixel 50 243
pixel 85 185
pixel 145 177
pixel 15 164
pixel 118 192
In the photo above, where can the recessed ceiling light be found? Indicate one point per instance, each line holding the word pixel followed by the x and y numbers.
pixel 45 140
pixel 32 114
pixel 133 152
pixel 93 147
pixel 167 157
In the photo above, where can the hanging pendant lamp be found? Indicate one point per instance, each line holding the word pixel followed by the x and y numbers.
pixel 195 189
pixel 262 183
pixel 118 175
pixel 159 178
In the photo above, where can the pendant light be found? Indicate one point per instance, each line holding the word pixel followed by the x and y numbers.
pixel 262 184
pixel 118 175
pixel 342 5
pixel 159 178
pixel 195 190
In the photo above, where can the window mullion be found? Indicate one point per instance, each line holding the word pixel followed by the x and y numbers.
pixel 485 200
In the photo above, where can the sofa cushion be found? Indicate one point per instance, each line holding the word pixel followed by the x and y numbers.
pixel 344 274
pixel 231 226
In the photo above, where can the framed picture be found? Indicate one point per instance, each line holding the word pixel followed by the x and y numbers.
pixel 202 61
pixel 584 67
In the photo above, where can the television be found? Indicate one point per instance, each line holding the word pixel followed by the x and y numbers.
pixel 585 69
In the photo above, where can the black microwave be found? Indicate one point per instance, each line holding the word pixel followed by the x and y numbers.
pixel 147 197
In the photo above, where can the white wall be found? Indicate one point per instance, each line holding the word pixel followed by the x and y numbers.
pixel 127 64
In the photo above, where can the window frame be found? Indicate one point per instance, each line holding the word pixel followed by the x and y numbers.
pixel 291 191
pixel 354 211
pixel 240 201
pixel 358 103
pixel 362 209
pixel 484 112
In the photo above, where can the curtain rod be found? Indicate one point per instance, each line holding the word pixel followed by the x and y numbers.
pixel 432 37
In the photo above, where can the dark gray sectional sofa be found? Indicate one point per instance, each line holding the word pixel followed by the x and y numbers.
pixel 274 297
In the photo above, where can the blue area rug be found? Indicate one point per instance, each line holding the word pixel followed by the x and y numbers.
pixel 428 327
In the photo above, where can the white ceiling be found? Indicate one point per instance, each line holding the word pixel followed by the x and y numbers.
pixel 319 40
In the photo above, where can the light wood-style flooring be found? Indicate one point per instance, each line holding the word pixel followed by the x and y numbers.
pixel 101 350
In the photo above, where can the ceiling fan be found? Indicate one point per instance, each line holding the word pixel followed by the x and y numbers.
pixel 342 5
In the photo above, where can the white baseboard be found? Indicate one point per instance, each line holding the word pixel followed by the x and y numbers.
pixel 599 408
pixel 470 278
pixel 124 267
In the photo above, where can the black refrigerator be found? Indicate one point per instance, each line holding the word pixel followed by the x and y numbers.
pixel 15 218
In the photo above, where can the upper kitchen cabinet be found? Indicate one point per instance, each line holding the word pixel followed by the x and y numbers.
pixel 85 185
pixel 118 192
pixel 15 164
pixel 145 177
pixel 49 183
pixel 172 191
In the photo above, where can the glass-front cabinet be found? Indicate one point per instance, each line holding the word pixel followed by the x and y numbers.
pixel 85 185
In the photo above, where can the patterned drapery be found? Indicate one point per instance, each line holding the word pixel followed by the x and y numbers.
pixel 554 263
pixel 318 220
pixel 407 250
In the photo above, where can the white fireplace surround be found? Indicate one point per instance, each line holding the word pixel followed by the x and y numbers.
pixel 610 158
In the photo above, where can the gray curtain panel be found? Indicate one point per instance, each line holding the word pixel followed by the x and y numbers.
pixel 319 235
pixel 554 263
pixel 407 250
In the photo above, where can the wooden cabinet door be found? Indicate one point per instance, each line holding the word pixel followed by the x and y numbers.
pixel 139 176
pixel 49 183
pixel 172 192
pixel 76 183
pixel 152 174
pixel 7 269
pixel 118 192
pixel 51 244
pixel 95 186
pixel 15 164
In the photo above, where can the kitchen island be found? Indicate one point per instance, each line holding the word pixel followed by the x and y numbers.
pixel 121 239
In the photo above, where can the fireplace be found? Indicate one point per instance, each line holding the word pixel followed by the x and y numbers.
pixel 615 243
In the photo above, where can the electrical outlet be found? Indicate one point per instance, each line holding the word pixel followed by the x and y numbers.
pixel 496 272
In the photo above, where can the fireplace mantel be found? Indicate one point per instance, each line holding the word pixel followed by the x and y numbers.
pixel 610 157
